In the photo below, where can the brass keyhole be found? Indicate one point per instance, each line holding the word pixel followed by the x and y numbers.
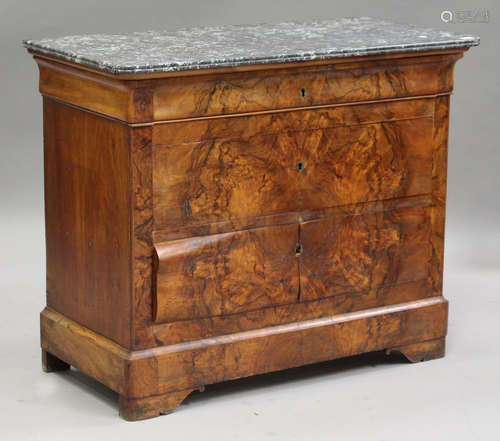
pixel 298 249
pixel 300 166
pixel 303 92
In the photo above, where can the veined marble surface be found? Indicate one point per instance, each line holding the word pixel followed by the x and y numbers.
pixel 236 45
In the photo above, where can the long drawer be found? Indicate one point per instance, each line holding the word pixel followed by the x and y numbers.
pixel 333 157
pixel 215 95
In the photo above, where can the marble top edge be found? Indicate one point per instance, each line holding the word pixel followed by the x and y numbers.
pixel 237 45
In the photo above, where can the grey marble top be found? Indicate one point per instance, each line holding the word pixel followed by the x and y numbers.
pixel 235 45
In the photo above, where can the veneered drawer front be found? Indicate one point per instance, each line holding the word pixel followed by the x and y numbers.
pixel 263 90
pixel 347 165
pixel 226 273
pixel 233 93
pixel 358 253
pixel 218 179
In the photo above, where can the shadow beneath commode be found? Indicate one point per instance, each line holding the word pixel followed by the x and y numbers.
pixel 337 369
pixel 90 386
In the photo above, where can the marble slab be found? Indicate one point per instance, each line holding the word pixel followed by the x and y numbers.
pixel 236 45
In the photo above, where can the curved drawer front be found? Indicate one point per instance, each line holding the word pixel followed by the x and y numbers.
pixel 226 178
pixel 226 273
pixel 270 90
pixel 364 251
pixel 264 90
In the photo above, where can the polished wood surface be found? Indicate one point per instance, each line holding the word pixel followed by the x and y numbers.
pixel 272 88
pixel 439 173
pixel 153 382
pixel 281 89
pixel 287 120
pixel 207 226
pixel 421 351
pixel 227 273
pixel 141 237
pixel 87 208
pixel 230 178
pixel 353 254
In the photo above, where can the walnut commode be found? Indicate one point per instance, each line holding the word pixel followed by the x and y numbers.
pixel 211 222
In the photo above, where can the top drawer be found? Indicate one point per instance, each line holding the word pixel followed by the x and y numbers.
pixel 267 88
pixel 347 82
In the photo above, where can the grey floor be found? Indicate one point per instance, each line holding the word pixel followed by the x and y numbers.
pixel 371 397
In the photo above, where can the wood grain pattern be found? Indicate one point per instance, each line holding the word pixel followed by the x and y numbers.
pixel 88 249
pixel 79 346
pixel 421 351
pixel 281 347
pixel 271 88
pixel 341 255
pixel 226 273
pixel 243 127
pixel 208 226
pixel 439 174
pixel 156 380
pixel 348 165
pixel 221 179
pixel 351 254
pixel 142 251
pixel 184 231
pixel 85 89
pixel 135 409
pixel 174 332
pixel 223 94
pixel 188 330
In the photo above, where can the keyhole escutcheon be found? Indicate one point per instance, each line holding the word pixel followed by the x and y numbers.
pixel 298 249
pixel 303 92
pixel 300 166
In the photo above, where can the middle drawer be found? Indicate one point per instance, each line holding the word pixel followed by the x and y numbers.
pixel 240 176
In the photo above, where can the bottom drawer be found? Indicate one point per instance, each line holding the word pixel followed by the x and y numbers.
pixel 340 253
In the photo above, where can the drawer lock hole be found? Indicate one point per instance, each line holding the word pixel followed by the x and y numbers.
pixel 303 92
pixel 300 166
pixel 298 250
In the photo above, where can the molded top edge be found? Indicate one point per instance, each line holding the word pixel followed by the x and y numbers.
pixel 237 45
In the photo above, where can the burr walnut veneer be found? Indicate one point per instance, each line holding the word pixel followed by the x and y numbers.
pixel 206 225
